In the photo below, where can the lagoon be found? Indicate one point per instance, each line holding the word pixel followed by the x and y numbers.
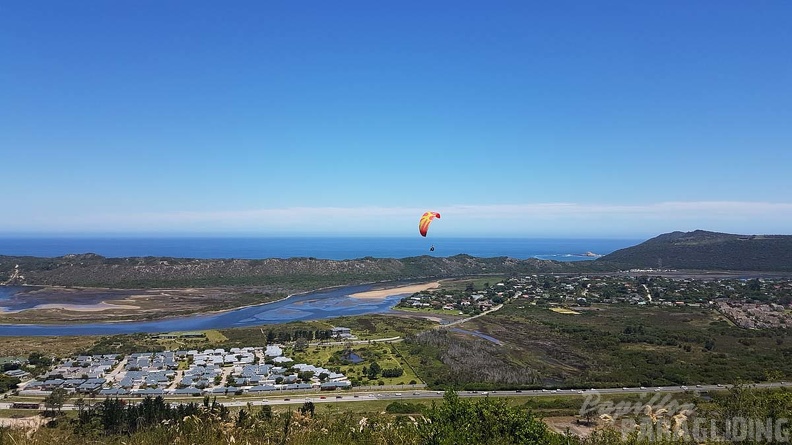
pixel 317 305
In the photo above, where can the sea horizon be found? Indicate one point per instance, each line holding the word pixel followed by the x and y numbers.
pixel 321 247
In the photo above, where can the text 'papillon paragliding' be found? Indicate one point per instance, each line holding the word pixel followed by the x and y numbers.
pixel 423 224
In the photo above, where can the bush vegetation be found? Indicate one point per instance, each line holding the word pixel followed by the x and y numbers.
pixel 455 420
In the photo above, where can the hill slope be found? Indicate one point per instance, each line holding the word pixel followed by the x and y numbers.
pixel 707 250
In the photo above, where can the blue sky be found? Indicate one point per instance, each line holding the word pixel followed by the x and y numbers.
pixel 512 118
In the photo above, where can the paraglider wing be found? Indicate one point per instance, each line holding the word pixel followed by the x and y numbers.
pixel 426 219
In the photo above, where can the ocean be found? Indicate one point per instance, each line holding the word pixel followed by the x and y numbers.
pixel 333 248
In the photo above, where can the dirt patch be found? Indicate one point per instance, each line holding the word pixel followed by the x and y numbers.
pixel 568 425
pixel 562 310
pixel 28 423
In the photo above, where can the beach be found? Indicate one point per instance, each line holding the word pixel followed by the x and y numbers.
pixel 382 293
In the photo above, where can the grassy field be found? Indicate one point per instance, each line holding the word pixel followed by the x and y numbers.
pixel 382 326
pixel 17 413
pixel 215 336
pixel 478 283
pixel 384 354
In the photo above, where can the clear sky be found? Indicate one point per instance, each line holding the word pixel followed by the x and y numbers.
pixel 510 118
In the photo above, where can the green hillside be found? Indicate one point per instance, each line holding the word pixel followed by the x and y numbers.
pixel 707 250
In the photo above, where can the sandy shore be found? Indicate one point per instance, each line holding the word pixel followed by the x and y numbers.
pixel 411 289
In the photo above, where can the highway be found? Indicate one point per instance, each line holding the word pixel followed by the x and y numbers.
pixel 426 394
pixel 363 396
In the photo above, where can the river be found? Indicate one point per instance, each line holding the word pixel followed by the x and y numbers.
pixel 316 305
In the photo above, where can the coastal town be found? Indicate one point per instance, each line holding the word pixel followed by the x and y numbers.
pixel 749 303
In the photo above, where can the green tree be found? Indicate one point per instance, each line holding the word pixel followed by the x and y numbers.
pixel 307 408
pixel 265 413
pixel 112 415
pixel 243 419
pixel 306 376
pixel 8 383
pixel 56 399
pixel 38 360
pixel 80 404
pixel 301 344
pixel 374 370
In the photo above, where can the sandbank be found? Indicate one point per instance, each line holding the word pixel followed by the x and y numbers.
pixel 411 289
pixel 98 307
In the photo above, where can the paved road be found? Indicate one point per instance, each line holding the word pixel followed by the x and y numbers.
pixel 362 396
pixel 357 342
pixel 458 322
pixel 336 397
pixel 120 367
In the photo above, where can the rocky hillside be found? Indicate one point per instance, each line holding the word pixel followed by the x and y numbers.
pixel 95 270
pixel 707 250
